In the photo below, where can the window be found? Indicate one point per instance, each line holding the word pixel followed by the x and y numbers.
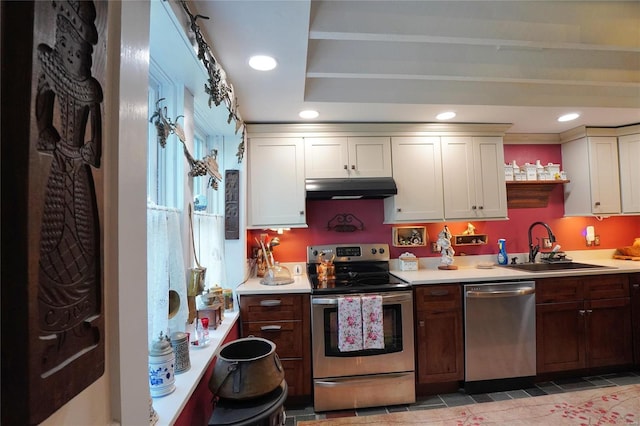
pixel 204 145
pixel 164 165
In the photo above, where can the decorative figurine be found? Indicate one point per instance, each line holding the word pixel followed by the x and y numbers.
pixel 471 230
pixel 444 241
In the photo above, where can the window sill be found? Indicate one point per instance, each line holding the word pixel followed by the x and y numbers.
pixel 170 406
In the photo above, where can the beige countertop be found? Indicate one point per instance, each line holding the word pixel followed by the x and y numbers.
pixel 252 286
pixel 428 272
pixel 468 271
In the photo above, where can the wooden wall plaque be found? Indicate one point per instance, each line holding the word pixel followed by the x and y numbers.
pixel 232 205
pixel 53 73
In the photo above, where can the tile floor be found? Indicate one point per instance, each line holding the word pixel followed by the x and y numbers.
pixel 460 398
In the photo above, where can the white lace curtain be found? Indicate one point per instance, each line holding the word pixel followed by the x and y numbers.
pixel 208 232
pixel 165 271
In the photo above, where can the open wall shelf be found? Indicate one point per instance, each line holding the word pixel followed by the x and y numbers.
pixel 523 194
pixel 470 240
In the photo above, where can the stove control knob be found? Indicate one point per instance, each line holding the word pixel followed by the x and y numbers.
pixel 315 252
pixel 381 250
pixel 373 251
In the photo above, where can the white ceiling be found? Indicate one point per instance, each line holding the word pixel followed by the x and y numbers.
pixel 519 62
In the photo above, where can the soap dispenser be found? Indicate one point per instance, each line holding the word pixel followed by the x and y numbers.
pixel 503 259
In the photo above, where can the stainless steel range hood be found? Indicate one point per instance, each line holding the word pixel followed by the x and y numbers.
pixel 350 189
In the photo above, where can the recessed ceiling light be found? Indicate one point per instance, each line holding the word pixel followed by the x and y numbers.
pixel 446 115
pixel 262 63
pixel 568 117
pixel 309 114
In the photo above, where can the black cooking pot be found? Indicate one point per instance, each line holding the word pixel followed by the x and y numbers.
pixel 246 368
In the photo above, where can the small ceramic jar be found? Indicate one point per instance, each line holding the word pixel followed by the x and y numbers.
pixel 180 344
pixel 161 368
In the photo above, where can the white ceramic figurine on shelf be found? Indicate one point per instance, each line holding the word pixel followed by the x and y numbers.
pixel 444 241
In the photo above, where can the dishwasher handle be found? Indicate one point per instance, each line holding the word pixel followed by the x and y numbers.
pixel 520 291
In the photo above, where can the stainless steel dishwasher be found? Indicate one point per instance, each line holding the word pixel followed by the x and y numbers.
pixel 500 335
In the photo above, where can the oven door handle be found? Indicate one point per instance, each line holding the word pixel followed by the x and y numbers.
pixel 386 299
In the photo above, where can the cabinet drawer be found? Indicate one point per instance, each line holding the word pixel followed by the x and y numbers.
pixel 438 297
pixel 271 308
pixel 553 290
pixel 606 287
pixel 287 335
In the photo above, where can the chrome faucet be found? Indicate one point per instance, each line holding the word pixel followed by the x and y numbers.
pixel 533 250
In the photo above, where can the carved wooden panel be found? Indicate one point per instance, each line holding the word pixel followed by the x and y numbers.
pixel 232 205
pixel 53 297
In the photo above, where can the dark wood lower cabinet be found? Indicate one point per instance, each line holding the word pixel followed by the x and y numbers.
pixel 583 322
pixel 283 319
pixel 635 318
pixel 439 341
pixel 607 332
pixel 559 338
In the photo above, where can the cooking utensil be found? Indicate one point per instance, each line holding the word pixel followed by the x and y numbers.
pixel 266 255
pixel 273 243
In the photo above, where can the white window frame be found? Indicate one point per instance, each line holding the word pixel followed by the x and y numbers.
pixel 164 168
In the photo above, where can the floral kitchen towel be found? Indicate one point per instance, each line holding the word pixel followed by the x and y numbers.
pixel 372 326
pixel 349 324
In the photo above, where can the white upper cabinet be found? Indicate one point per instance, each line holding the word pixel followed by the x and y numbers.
pixel 417 171
pixel 591 164
pixel 629 150
pixel 473 177
pixel 347 157
pixel 276 182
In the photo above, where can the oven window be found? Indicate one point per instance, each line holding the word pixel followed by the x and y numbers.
pixel 392 323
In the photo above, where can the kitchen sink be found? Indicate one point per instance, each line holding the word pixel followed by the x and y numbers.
pixel 557 266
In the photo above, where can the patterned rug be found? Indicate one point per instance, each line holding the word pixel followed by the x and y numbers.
pixel 604 406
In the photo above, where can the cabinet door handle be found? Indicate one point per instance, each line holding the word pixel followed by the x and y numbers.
pixel 271 302
pixel 581 312
pixel 420 323
pixel 481 207
pixel 271 328
pixel 597 203
pixel 473 207
pixel 589 311
pixel 399 210
pixel 439 292
pixel 636 286
pixel 346 167
pixel 353 167
pixel 301 212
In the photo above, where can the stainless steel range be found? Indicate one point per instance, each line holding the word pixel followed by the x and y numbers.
pixel 347 375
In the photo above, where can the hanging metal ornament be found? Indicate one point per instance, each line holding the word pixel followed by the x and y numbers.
pixel 165 127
